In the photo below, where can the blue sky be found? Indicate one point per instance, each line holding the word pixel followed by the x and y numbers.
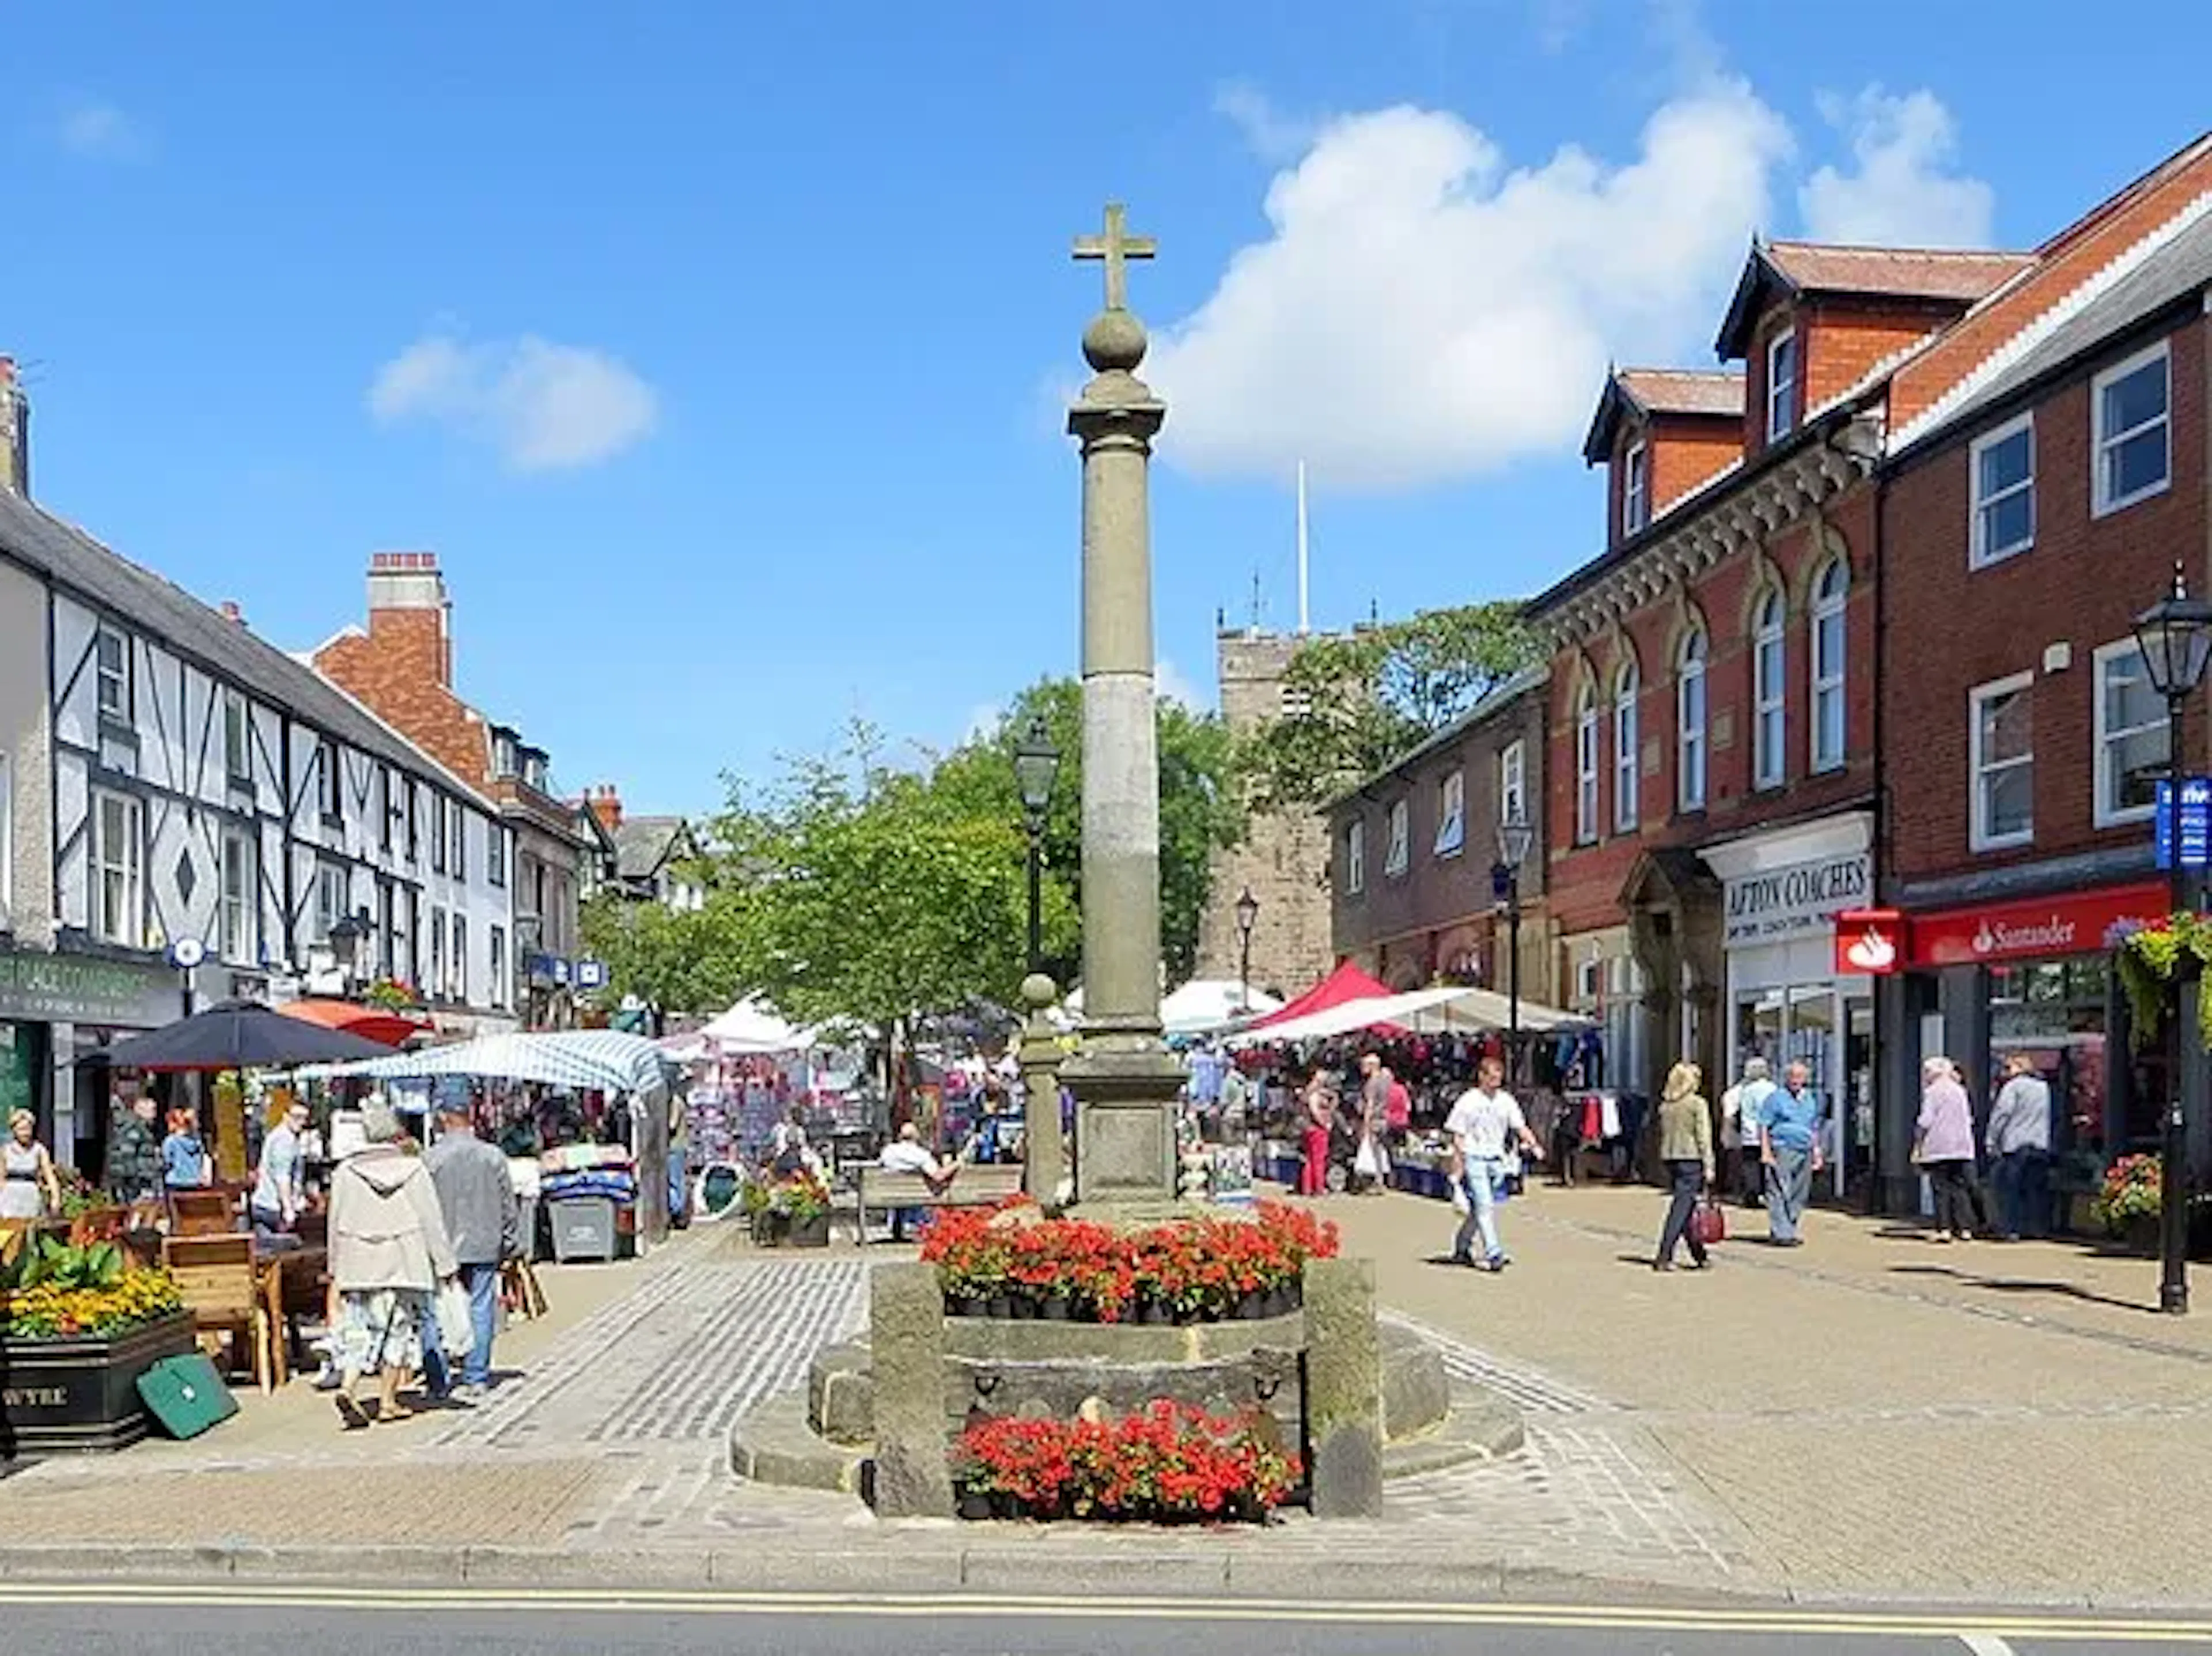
pixel 720 354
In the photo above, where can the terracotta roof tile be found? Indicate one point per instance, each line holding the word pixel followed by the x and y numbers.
pixel 1904 273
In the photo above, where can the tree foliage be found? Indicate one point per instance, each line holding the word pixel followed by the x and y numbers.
pixel 1355 704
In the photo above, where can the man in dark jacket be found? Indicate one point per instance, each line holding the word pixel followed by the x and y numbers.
pixel 134 1151
pixel 477 1196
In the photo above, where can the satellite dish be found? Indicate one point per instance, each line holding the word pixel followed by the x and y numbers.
pixel 187 952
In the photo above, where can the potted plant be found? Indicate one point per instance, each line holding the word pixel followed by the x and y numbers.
pixel 790 1212
pixel 78 1327
pixel 2128 1204
pixel 1168 1463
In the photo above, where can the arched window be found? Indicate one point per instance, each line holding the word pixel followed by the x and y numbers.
pixel 1623 748
pixel 1690 722
pixel 1768 693
pixel 1829 592
pixel 1586 767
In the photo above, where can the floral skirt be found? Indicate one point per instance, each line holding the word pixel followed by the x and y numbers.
pixel 380 1329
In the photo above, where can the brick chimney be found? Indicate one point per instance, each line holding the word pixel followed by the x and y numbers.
pixel 14 432
pixel 606 805
pixel 409 617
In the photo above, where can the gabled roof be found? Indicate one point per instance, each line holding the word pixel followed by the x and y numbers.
pixel 2173 263
pixel 70 558
pixel 643 845
pixel 1797 270
pixel 1702 393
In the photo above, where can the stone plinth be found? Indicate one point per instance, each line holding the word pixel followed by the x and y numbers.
pixel 1344 1388
pixel 906 1325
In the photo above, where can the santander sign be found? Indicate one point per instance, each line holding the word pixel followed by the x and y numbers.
pixel 2072 924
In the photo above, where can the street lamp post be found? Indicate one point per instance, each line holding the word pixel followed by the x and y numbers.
pixel 2175 635
pixel 1036 763
pixel 346 938
pixel 1248 916
pixel 1514 837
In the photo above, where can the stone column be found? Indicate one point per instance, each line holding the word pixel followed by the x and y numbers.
pixel 1044 1157
pixel 1124 1082
pixel 906 1325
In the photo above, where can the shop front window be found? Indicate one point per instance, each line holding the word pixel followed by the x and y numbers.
pixel 2056 1012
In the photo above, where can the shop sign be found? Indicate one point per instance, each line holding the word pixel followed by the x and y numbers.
pixel 2184 817
pixel 1869 941
pixel 2042 929
pixel 1794 901
pixel 71 988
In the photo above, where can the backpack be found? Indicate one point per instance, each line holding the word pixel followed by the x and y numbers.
pixel 1398 1109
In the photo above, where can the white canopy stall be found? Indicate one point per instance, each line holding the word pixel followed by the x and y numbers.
pixel 1423 1011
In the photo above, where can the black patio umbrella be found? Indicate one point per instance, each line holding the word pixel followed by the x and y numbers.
pixel 237 1035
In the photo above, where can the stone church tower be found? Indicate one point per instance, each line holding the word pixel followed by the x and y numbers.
pixel 1284 858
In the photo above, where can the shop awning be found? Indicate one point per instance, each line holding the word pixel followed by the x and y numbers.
pixel 604 1060
pixel 376 1024
pixel 234 1035
pixel 1347 983
pixel 1422 1011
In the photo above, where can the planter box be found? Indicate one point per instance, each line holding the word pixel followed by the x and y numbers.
pixel 74 1396
pixel 773 1231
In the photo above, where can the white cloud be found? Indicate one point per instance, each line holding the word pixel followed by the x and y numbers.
pixel 102 131
pixel 1904 191
pixel 1171 684
pixel 543 407
pixel 1272 136
pixel 1422 311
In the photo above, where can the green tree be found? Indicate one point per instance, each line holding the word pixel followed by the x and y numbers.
pixel 1202 812
pixel 1359 701
pixel 680 961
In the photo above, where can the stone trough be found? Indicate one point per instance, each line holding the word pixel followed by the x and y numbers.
pixel 826 1437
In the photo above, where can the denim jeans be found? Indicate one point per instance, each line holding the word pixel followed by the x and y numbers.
pixel 483 1284
pixel 2023 1181
pixel 1789 1188
pixel 1480 1182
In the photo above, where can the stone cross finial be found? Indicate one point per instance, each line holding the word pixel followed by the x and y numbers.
pixel 1116 247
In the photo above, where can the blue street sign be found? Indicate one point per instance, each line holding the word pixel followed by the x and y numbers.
pixel 591 974
pixel 2183 834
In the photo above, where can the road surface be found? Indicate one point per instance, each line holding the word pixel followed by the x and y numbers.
pixel 94 1620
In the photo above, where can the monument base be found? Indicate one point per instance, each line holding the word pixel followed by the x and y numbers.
pixel 1126 1087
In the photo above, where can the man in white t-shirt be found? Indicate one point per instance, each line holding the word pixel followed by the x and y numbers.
pixel 907 1153
pixel 1484 1125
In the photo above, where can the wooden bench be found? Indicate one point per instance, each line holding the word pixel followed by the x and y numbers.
pixel 972 1186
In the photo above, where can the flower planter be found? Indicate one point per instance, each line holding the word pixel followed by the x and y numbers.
pixel 2140 1235
pixel 82 1395
pixel 773 1230
pixel 974 1504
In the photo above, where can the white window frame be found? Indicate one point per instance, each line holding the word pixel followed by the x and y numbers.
pixel 331 878
pixel 121 676
pixel 127 929
pixel 1586 767
pixel 2101 441
pixel 1770 691
pixel 1978 837
pixel 1981 555
pixel 1451 814
pixel 237 736
pixel 496 855
pixel 1827 680
pixel 1690 778
pixel 2108 814
pixel 1627 744
pixel 1398 843
pixel 436 985
pixel 496 938
pixel 1513 782
pixel 1635 489
pixel 457 960
pixel 457 854
pixel 330 780
pixel 438 841
pixel 1783 410
pixel 1355 859
pixel 236 910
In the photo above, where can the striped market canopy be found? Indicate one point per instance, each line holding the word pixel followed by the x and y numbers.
pixel 605 1060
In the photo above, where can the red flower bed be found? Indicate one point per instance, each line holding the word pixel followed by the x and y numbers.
pixel 1204 1267
pixel 1171 1461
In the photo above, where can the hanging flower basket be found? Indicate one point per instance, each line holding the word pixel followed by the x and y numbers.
pixel 2152 957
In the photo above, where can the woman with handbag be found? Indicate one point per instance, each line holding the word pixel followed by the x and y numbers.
pixel 389 1252
pixel 1686 1145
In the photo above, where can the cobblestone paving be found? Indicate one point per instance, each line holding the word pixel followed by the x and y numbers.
pixel 1536 1393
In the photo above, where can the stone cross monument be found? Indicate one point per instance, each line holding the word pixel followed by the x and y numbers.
pixel 1124 1081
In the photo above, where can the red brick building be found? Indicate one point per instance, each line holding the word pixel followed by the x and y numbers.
pixel 2046 475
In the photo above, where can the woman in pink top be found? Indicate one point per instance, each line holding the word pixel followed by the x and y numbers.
pixel 1321 1120
pixel 1943 1145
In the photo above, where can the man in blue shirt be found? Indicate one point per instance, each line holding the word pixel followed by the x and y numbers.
pixel 1789 1149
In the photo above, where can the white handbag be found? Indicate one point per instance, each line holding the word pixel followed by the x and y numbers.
pixel 456 1334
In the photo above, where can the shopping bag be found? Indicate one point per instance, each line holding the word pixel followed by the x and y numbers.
pixel 1365 1163
pixel 1461 1203
pixel 456 1334
pixel 1709 1222
pixel 186 1395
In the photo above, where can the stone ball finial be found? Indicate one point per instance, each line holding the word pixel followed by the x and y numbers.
pixel 1115 339
pixel 1039 990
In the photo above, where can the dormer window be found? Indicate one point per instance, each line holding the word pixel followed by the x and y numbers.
pixel 503 757
pixel 1635 489
pixel 1782 384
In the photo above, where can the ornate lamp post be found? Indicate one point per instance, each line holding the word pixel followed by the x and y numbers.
pixel 346 938
pixel 1036 763
pixel 2175 635
pixel 1513 837
pixel 1248 916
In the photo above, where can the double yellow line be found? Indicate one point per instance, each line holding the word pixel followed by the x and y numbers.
pixel 1989 1629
